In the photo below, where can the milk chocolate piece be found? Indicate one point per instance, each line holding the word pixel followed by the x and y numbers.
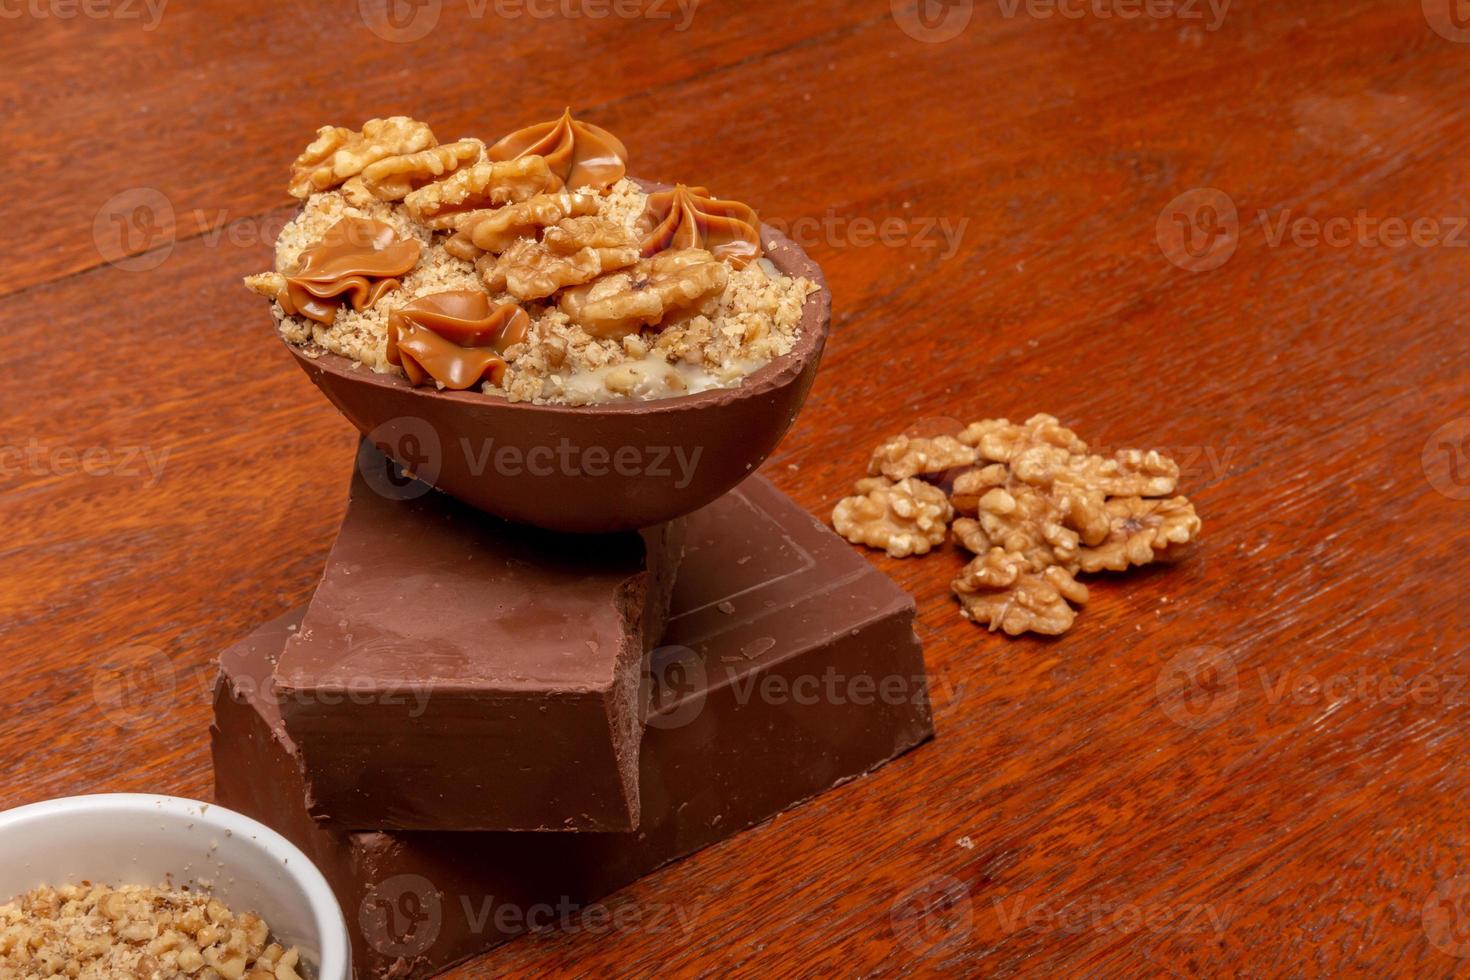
pixel 791 665
pixel 455 672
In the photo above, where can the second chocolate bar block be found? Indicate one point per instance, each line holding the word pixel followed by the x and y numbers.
pixel 455 672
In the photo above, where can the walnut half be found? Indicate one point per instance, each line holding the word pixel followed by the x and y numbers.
pixel 903 518
pixel 394 178
pixel 649 293
pixel 1023 521
pixel 999 591
pixel 442 205
pixel 339 153
pixel 572 252
pixel 999 440
pixel 903 456
pixel 1142 531
pixel 495 230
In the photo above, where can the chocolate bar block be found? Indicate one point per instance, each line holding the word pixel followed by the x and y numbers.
pixel 456 672
pixel 790 666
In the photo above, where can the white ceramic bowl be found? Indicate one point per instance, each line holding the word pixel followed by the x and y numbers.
pixel 135 839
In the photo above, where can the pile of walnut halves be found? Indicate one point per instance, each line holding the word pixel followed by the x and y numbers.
pixel 1032 504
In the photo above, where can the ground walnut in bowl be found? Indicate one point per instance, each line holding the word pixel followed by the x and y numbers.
pixel 565 282
pixel 166 933
pixel 526 328
pixel 133 885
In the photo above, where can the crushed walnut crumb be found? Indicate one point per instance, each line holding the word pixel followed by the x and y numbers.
pixel 94 932
pixel 1035 507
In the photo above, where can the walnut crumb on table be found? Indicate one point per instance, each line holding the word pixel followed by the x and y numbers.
pixel 1033 506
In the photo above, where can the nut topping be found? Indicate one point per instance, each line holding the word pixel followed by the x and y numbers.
pixel 358 260
pixel 454 338
pixel 494 231
pixel 581 154
pixel 338 153
pixel 481 185
pixel 650 293
pixel 688 217
pixel 394 178
pixel 546 219
pixel 572 235
pixel 572 252
pixel 904 518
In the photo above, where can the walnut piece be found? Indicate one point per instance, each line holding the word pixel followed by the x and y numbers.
pixel 973 484
pixel 1127 473
pixel 648 293
pixel 902 457
pixel 998 590
pixel 999 440
pixel 96 931
pixel 1142 531
pixel 496 230
pixel 394 178
pixel 572 252
pixel 572 235
pixel 339 153
pixel 903 518
pixel 271 285
pixel 481 185
pixel 1020 520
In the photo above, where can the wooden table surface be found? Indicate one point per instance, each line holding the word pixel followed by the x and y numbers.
pixel 1238 234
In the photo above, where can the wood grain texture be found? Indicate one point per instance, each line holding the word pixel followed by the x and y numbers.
pixel 1294 811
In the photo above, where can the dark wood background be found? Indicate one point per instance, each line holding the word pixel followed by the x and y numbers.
pixel 1252 762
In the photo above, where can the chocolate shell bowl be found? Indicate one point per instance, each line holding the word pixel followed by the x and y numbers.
pixel 587 468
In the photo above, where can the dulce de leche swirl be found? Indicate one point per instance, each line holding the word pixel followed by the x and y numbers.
pixel 455 338
pixel 581 154
pixel 688 217
pixel 358 260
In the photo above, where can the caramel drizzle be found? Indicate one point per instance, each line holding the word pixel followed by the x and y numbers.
pixel 358 260
pixel 455 338
pixel 688 217
pixel 581 154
